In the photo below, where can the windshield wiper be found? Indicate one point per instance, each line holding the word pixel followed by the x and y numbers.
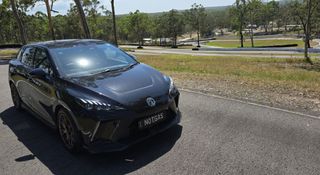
pixel 120 68
pixel 103 71
pixel 130 65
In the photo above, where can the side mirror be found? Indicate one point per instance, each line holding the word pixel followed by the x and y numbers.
pixel 38 73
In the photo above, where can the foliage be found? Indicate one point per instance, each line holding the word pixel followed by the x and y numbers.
pixel 239 17
pixel 303 12
pixel 132 28
pixel 196 17
pixel 139 26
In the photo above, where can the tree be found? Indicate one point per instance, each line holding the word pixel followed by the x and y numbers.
pixel 91 9
pixel 195 17
pixel 139 26
pixel 114 23
pixel 105 25
pixel 23 36
pixel 72 27
pixel 303 12
pixel 83 19
pixel 8 24
pixel 270 14
pixel 50 25
pixel 123 29
pixel 219 19
pixel 254 8
pixel 285 16
pixel 39 23
pixel 174 25
pixel 238 13
pixel 159 28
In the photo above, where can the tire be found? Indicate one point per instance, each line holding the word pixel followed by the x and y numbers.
pixel 68 132
pixel 17 102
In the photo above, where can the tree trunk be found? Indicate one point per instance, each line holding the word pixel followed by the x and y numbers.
pixel 83 19
pixel 241 35
pixel 174 42
pixel 251 30
pixel 241 39
pixel 285 27
pixel 50 19
pixel 306 54
pixel 251 37
pixel 307 31
pixel 241 20
pixel 114 23
pixel 198 39
pixel 266 28
pixel 23 36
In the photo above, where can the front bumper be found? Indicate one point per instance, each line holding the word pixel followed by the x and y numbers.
pixel 135 136
pixel 120 130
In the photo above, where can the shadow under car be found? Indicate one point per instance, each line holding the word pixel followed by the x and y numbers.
pixel 45 144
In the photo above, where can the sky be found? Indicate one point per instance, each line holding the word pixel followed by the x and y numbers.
pixel 147 6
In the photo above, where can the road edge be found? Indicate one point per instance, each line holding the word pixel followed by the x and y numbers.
pixel 251 103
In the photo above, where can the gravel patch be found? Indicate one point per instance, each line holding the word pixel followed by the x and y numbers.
pixel 273 94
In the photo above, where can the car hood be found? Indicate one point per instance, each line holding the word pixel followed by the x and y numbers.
pixel 127 87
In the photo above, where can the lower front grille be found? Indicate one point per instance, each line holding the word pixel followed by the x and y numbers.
pixel 107 129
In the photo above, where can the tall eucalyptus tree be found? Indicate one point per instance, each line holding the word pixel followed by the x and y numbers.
pixel 83 19
pixel 23 35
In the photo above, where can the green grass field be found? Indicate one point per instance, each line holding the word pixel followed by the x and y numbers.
pixel 247 43
pixel 8 52
pixel 285 71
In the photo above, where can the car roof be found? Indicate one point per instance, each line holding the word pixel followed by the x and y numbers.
pixel 66 43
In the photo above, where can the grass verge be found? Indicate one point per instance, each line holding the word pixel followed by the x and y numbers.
pixel 288 83
pixel 280 72
pixel 8 53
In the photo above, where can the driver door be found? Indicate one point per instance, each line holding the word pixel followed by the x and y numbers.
pixel 43 88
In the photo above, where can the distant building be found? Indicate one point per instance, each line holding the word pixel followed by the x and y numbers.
pixel 293 27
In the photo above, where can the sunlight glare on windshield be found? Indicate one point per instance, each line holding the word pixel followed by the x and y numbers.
pixel 83 62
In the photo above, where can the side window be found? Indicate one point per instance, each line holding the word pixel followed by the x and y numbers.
pixel 41 60
pixel 27 56
pixel 19 55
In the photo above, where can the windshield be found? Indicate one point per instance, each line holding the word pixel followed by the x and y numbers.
pixel 87 59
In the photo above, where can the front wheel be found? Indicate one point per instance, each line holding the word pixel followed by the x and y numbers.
pixel 68 131
pixel 15 98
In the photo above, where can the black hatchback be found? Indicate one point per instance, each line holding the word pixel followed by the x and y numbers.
pixel 96 95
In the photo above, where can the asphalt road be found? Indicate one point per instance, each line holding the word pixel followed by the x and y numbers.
pixel 271 53
pixel 216 136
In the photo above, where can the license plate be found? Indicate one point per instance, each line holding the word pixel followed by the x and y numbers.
pixel 150 121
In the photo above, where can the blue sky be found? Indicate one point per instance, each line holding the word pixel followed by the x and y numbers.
pixel 126 6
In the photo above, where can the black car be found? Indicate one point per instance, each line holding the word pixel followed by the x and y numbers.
pixel 97 96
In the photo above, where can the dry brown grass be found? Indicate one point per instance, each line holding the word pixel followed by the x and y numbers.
pixel 282 73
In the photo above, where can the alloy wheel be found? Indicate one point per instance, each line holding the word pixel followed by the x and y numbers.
pixel 66 129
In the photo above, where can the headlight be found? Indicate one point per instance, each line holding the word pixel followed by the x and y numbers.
pixel 172 88
pixel 97 105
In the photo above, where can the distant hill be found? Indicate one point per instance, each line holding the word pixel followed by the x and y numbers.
pixel 218 8
pixel 208 9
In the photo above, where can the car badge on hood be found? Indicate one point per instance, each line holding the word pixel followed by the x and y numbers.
pixel 151 102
